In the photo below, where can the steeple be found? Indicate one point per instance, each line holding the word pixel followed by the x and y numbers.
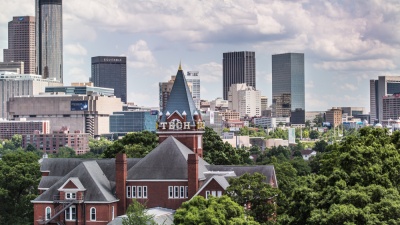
pixel 180 66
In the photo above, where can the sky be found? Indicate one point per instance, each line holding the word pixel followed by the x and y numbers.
pixel 345 43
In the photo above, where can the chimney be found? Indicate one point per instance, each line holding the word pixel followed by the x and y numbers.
pixel 193 174
pixel 120 182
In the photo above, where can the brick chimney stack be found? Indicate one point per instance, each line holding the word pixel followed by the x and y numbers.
pixel 120 182
pixel 193 174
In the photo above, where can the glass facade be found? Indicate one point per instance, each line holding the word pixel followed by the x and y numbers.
pixel 49 39
pixel 133 121
pixel 288 79
pixel 238 68
pixel 110 72
pixel 80 90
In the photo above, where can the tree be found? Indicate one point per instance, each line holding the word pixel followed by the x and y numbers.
pixel 135 145
pixel 98 146
pixel 314 134
pixel 252 189
pixel 320 146
pixel 19 179
pixel 318 120
pixel 220 210
pixel 65 152
pixel 136 215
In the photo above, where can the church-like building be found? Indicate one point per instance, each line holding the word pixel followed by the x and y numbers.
pixel 81 191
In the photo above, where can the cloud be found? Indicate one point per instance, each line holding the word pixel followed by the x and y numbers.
pixel 309 84
pixel 140 56
pixel 75 49
pixel 348 86
pixel 76 74
pixel 209 72
pixel 370 64
pixel 142 99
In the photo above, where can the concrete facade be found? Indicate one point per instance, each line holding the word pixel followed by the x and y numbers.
pixel 245 100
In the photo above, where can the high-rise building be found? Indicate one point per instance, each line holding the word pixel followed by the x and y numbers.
pixel 192 77
pixel 245 100
pixel 124 122
pixel 334 117
pixel 288 80
pixel 110 72
pixel 237 68
pixel 14 67
pixel 49 39
pixel 21 43
pixel 385 85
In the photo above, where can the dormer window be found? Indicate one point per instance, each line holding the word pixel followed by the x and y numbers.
pixel 70 195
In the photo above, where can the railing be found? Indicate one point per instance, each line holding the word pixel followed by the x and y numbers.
pixel 78 198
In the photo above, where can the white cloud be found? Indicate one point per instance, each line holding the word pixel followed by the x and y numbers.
pixel 76 74
pixel 142 99
pixel 140 56
pixel 209 72
pixel 309 84
pixel 369 64
pixel 348 86
pixel 75 49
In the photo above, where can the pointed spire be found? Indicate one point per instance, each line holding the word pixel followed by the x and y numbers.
pixel 180 66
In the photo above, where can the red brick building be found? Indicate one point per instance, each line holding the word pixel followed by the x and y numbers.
pixel 79 191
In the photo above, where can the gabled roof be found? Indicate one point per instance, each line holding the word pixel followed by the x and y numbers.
pixel 92 178
pixel 74 183
pixel 180 98
pixel 168 161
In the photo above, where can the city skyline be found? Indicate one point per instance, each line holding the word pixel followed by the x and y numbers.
pixel 345 44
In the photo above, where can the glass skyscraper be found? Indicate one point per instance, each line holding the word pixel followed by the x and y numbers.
pixel 49 39
pixel 288 82
pixel 133 121
pixel 110 72
pixel 238 68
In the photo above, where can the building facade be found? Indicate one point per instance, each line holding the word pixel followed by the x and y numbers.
pixel 245 100
pixel 391 108
pixel 51 143
pixel 13 84
pixel 133 121
pixel 334 117
pixel 383 86
pixel 288 82
pixel 87 113
pixel 21 43
pixel 193 78
pixel 13 67
pixel 10 128
pixel 238 67
pixel 80 89
pixel 110 72
pixel 49 39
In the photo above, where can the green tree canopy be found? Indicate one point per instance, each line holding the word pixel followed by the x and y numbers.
pixel 136 215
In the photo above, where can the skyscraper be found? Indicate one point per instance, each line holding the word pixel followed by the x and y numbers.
pixel 288 83
pixel 21 43
pixel 110 72
pixel 238 67
pixel 192 77
pixel 384 86
pixel 49 39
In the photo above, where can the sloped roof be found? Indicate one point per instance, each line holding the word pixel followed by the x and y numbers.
pixel 98 187
pixel 75 181
pixel 167 161
pixel 180 99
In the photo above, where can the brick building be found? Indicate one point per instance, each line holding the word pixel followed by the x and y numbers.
pixel 79 191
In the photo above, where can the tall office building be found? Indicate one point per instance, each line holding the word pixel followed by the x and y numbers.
pixel 384 86
pixel 192 77
pixel 244 99
pixel 21 43
pixel 49 39
pixel 110 72
pixel 237 68
pixel 288 83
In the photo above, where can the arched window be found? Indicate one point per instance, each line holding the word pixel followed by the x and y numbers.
pixel 48 213
pixel 93 214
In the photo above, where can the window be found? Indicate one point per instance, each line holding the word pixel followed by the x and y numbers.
pixel 139 191
pixel 182 192
pixel 128 191
pixel 112 212
pixel 70 213
pixel 207 194
pixel 170 192
pixel 144 191
pixel 48 213
pixel 219 193
pixel 70 195
pixel 214 193
pixel 186 191
pixel 133 191
pixel 176 191
pixel 93 214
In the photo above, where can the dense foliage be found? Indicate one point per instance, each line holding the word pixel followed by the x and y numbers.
pixel 136 215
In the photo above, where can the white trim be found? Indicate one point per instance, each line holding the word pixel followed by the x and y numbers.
pixel 176 111
pixel 204 185
pixel 98 202
pixel 41 201
pixel 180 132
pixel 45 212
pixel 95 213
pixel 156 180
pixel 71 189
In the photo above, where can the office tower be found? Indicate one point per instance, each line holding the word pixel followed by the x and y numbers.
pixel 165 89
pixel 237 68
pixel 14 84
pixel 384 86
pixel 288 86
pixel 110 72
pixel 14 67
pixel 193 78
pixel 245 100
pixel 49 39
pixel 21 43
pixel 334 117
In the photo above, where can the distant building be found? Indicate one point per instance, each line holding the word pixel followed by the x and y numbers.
pixel 245 100
pixel 271 122
pixel 87 113
pixel 81 89
pixel 385 85
pixel 288 86
pixel 311 115
pixel 353 111
pixel 238 68
pixel 229 115
pixel 219 104
pixel 110 72
pixel 21 43
pixel 214 120
pixel 13 84
pixel 264 102
pixel 51 143
pixel 334 117
pixel 307 154
pixel 276 142
pixel 391 108
pixel 10 128
pixel 133 121
pixel 12 67
pixel 49 39
pixel 193 78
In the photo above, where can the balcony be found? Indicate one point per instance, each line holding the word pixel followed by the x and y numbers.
pixel 78 199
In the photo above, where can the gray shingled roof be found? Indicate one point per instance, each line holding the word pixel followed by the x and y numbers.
pixel 180 99
pixel 98 187
pixel 48 181
pixel 167 161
